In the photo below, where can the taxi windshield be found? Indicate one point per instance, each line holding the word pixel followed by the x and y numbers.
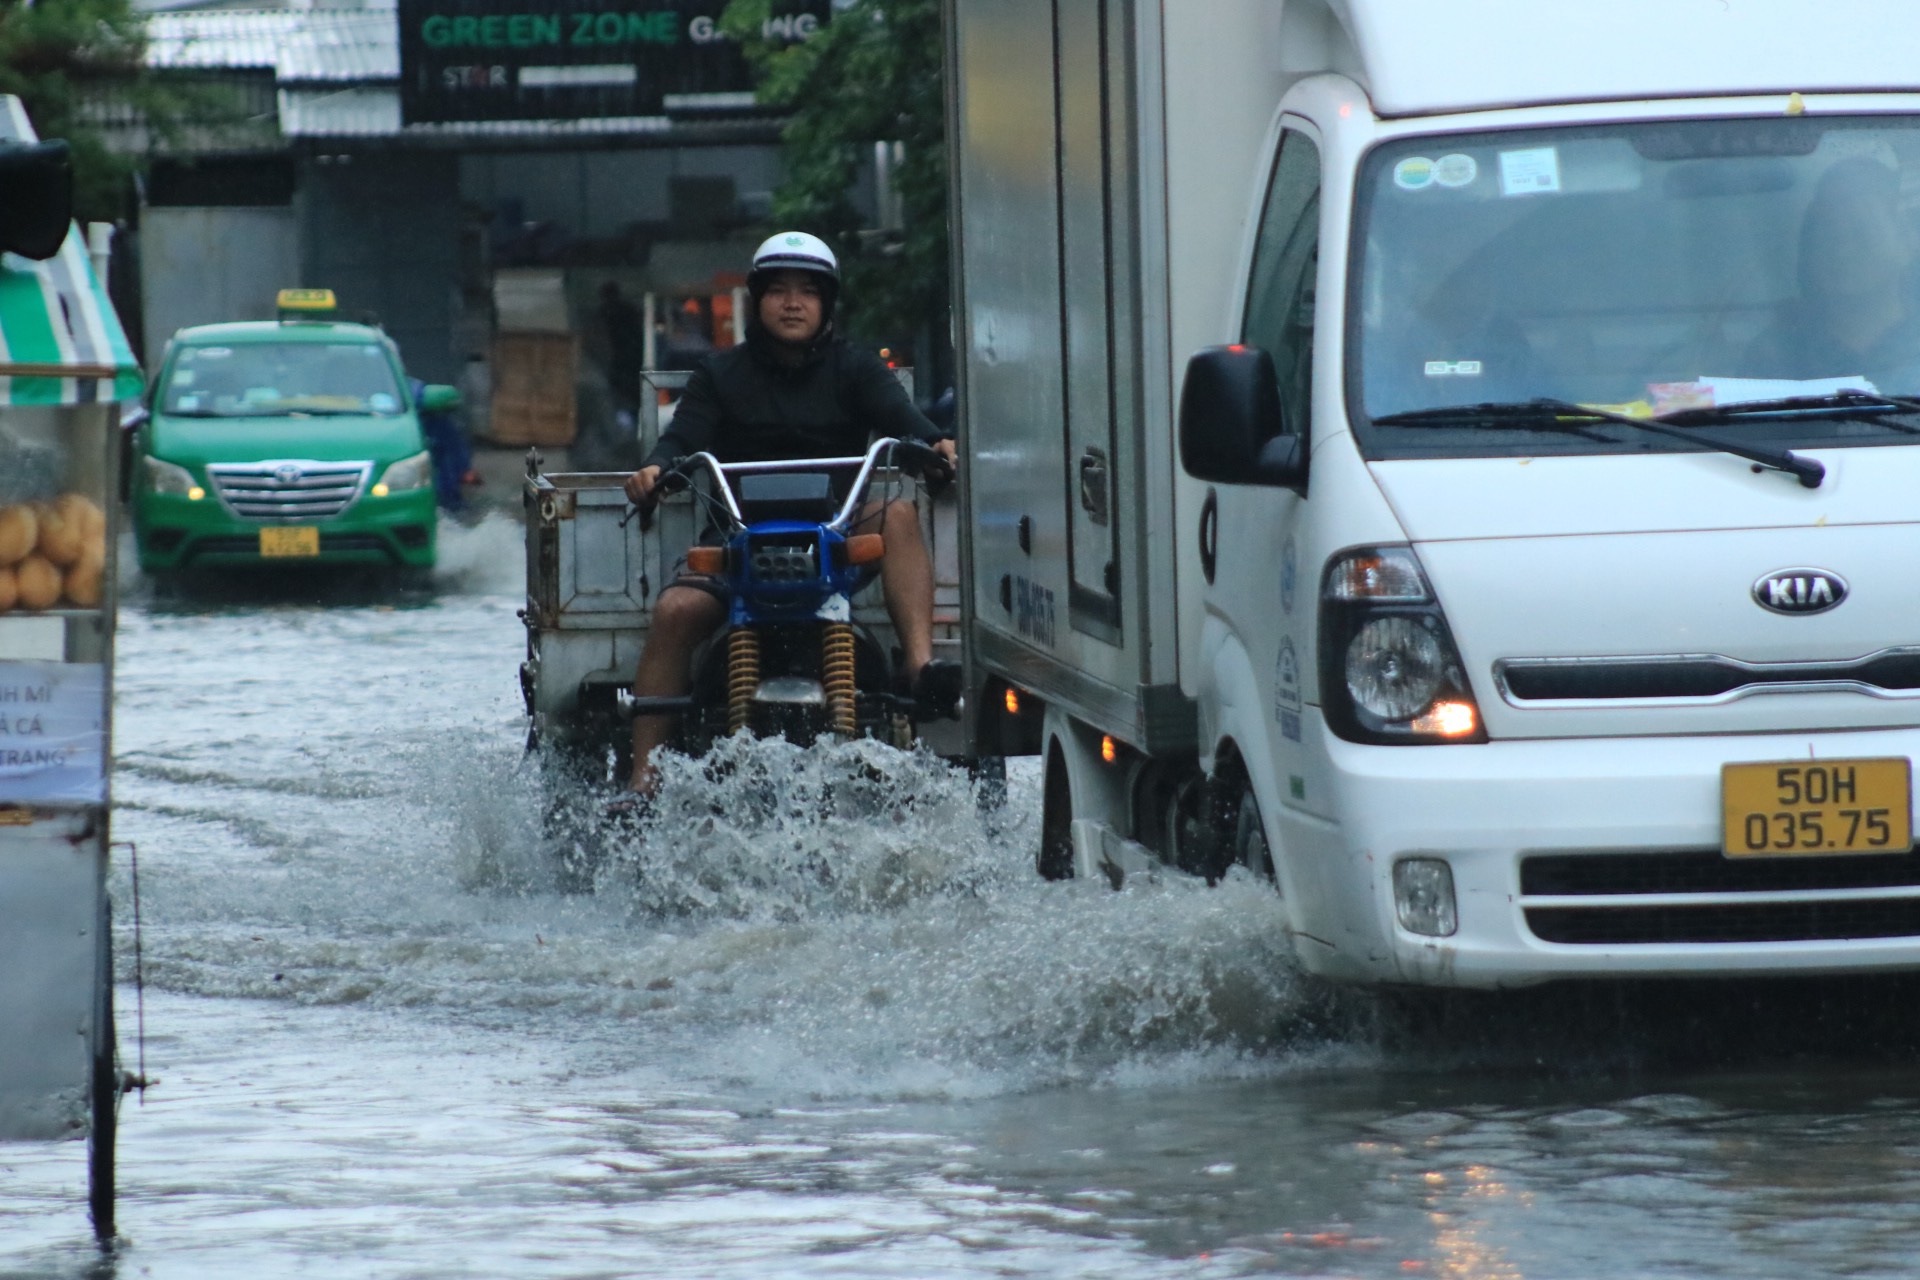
pixel 281 379
pixel 1682 268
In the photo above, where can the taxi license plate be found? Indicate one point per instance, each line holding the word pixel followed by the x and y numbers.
pixel 1807 808
pixel 299 540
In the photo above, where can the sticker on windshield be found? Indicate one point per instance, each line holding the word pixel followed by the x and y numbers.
pixel 184 377
pixel 1456 170
pixel 206 353
pixel 1413 174
pixel 1453 368
pixel 1530 172
pixel 381 402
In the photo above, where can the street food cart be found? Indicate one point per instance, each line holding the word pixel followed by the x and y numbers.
pixel 65 369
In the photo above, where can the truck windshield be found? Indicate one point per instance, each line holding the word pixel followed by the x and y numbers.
pixel 281 379
pixel 1755 277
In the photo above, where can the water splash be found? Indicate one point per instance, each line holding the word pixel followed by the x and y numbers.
pixel 484 558
pixel 856 918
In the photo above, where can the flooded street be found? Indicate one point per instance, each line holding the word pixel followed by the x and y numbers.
pixel 860 1039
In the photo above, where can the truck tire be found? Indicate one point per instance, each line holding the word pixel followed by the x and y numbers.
pixel 1056 819
pixel 1250 838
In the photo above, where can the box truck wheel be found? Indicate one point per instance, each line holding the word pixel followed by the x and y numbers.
pixel 1250 837
pixel 1056 818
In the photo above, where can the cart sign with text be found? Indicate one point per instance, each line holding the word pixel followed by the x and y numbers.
pixel 572 59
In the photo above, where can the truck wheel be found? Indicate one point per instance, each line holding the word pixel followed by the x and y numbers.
pixel 1056 819
pixel 1250 838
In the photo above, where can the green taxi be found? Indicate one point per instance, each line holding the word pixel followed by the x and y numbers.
pixel 283 442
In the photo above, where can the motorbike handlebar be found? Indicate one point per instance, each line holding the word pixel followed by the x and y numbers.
pixel 915 457
pixel 918 458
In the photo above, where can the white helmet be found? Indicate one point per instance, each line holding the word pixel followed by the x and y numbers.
pixel 793 251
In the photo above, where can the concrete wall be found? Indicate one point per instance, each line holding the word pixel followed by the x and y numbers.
pixel 204 265
pixel 382 230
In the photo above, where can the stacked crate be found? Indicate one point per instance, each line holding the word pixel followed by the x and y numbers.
pixel 536 360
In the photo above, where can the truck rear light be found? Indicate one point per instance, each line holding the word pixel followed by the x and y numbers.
pixel 1389 670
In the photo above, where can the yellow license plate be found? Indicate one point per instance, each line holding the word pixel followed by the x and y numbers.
pixel 299 540
pixel 1805 808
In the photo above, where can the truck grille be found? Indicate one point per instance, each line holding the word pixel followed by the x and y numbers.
pixel 1700 896
pixel 1700 677
pixel 288 490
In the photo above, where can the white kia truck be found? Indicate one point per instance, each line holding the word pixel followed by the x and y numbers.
pixel 1460 460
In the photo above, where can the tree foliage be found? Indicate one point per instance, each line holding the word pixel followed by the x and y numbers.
pixel 57 55
pixel 872 74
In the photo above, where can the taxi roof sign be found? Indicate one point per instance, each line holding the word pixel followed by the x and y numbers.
pixel 306 300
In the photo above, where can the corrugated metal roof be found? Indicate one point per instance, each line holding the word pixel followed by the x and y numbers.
pixel 337 73
pixel 301 46
pixel 373 111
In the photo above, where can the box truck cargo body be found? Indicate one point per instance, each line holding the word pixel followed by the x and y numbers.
pixel 1457 460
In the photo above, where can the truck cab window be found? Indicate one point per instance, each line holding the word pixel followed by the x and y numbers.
pixel 1285 259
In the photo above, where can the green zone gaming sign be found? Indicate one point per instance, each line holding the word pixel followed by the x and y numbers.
pixel 570 59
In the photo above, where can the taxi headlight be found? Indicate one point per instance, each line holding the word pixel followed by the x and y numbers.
pixel 169 478
pixel 408 473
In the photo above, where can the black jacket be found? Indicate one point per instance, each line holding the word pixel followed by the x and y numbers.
pixel 742 405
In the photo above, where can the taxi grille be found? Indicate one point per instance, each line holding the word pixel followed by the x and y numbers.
pixel 1696 896
pixel 287 490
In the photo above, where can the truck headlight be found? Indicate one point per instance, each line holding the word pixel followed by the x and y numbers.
pixel 171 478
pixel 1389 670
pixel 1394 667
pixel 405 475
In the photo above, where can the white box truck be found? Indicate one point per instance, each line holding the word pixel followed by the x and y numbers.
pixel 1460 459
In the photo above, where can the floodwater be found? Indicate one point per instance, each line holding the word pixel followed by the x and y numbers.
pixel 787 1037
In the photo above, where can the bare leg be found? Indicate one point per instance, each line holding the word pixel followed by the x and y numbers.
pixel 906 578
pixel 683 618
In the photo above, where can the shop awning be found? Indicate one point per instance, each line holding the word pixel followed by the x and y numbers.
pixel 60 342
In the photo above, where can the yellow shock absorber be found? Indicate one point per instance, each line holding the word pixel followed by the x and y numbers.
pixel 836 674
pixel 743 676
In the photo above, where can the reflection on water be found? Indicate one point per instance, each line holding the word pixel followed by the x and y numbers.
pixel 817 1017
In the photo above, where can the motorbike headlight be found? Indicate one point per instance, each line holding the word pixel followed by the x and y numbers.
pixel 172 478
pixel 406 475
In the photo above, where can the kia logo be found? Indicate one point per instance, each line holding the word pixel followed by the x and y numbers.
pixel 1800 590
pixel 290 473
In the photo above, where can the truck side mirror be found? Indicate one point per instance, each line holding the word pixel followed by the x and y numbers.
pixel 1232 429
pixel 36 198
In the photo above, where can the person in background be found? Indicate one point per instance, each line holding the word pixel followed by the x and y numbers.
pixel 626 346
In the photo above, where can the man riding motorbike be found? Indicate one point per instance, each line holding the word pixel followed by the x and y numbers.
pixel 794 389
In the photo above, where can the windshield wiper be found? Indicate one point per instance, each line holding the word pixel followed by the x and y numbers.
pixel 1860 406
pixel 1547 414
